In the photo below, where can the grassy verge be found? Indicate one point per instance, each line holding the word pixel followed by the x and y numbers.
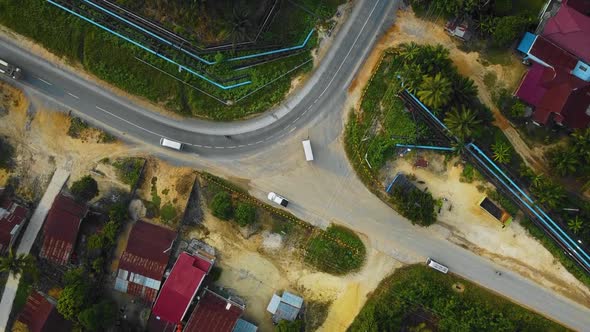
pixel 337 251
pixel 557 252
pixel 417 298
pixel 25 287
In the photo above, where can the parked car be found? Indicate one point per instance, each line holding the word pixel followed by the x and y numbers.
pixel 278 199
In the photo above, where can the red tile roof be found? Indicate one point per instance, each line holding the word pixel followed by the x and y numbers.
pixel 571 30
pixel 180 288
pixel 12 218
pixel 61 229
pixel 212 314
pixel 40 315
pixel 147 254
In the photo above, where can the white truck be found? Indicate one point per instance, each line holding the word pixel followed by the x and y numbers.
pixel 280 200
pixel 10 70
pixel 307 149
pixel 170 144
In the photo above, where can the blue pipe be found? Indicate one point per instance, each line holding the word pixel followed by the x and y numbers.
pixel 501 172
pixel 427 147
pixel 391 184
pixel 275 51
pixel 148 32
pixel 427 110
pixel 223 87
pixel 552 227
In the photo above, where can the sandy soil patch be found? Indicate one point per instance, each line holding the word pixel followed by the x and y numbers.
pixel 468 225
pixel 256 268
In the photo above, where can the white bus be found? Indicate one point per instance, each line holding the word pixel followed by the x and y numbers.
pixel 436 265
pixel 170 144
pixel 307 150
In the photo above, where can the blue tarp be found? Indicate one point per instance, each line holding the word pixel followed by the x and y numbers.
pixel 527 42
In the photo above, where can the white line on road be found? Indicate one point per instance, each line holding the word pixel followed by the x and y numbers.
pixel 73 95
pixel 127 121
pixel 44 81
pixel 292 129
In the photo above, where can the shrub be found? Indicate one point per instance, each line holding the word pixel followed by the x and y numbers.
pixel 77 127
pixel 85 189
pixel 129 170
pixel 6 154
pixel 245 214
pixel 95 242
pixel 508 28
pixel 338 251
pixel 416 205
pixel 168 212
pixel 221 206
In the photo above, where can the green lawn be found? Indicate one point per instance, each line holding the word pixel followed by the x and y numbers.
pixel 337 250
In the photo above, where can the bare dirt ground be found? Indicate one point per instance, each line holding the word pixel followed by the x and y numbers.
pixel 260 266
pixel 468 225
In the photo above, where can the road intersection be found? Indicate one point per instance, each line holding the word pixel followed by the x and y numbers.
pixel 261 150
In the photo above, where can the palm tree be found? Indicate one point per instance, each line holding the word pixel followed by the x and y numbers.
pixel 435 91
pixel 17 264
pixel 549 193
pixel 464 90
pixel 411 75
pixel 502 152
pixel 462 123
pixel 240 24
pixel 575 224
pixel 564 162
pixel 409 51
pixel 487 25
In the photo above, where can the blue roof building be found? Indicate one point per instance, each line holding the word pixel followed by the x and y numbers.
pixel 286 307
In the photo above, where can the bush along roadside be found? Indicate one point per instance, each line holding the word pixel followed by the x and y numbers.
pixel 336 250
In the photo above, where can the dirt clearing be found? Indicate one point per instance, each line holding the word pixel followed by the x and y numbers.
pixel 258 267
pixel 468 225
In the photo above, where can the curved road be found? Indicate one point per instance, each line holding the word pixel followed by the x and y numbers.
pixel 322 191
pixel 207 138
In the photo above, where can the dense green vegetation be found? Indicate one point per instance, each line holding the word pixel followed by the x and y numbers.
pixel 77 127
pixel 6 154
pixel 419 298
pixel 415 204
pixel 85 188
pixel 221 206
pixel 245 214
pixel 116 61
pixel 338 250
pixel 498 21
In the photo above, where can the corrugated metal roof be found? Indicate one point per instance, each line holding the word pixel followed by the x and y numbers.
pixel 286 312
pixel 526 42
pixel 61 228
pixel 273 305
pixel 213 313
pixel 179 289
pixel 244 326
pixel 40 315
pixel 571 30
pixel 11 215
pixel 292 299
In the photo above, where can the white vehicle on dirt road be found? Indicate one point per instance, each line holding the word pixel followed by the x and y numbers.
pixel 278 199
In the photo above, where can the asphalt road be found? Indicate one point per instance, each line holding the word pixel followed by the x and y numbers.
pixel 266 151
pixel 206 138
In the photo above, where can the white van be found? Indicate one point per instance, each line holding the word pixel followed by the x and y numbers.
pixel 170 144
pixel 436 265
pixel 307 149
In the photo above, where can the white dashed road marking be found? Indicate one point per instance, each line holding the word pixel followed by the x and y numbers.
pixel 44 81
pixel 73 95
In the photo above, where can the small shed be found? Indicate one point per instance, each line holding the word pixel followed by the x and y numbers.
pixel 460 28
pixel 286 307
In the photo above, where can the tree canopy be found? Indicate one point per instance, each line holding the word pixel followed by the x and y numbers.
pixel 85 188
pixel 221 206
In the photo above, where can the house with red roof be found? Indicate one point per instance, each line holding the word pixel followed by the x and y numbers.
pixel 40 315
pixel 178 291
pixel 61 229
pixel 558 83
pixel 215 312
pixel 12 219
pixel 143 263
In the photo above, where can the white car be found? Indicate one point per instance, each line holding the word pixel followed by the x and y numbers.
pixel 278 199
